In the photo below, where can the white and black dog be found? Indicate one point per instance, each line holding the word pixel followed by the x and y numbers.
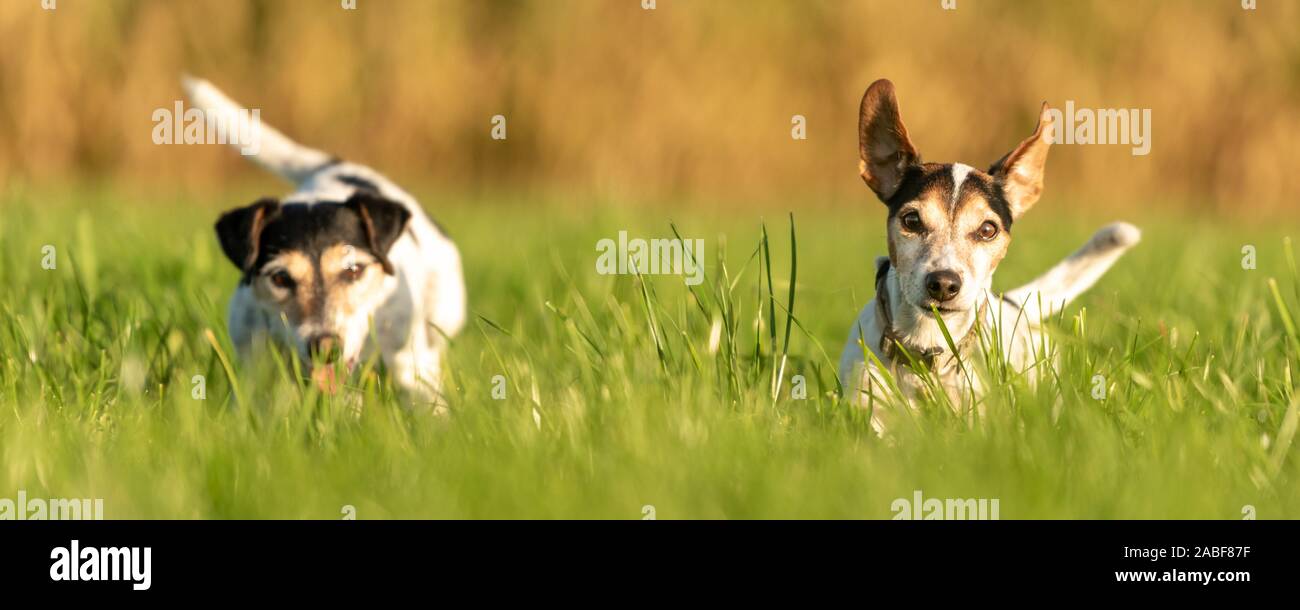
pixel 949 225
pixel 345 254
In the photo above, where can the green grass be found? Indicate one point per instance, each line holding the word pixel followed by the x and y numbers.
pixel 615 398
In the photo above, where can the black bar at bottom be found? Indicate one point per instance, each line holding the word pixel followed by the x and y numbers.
pixel 764 559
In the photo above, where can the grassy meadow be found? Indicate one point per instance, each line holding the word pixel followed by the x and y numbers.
pixel 624 392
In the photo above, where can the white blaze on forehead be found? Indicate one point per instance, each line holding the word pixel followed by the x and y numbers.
pixel 947 259
pixel 959 173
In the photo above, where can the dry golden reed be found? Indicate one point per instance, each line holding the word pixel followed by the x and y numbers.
pixel 691 99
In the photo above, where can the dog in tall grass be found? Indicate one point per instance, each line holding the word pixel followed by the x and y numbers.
pixel 345 265
pixel 949 225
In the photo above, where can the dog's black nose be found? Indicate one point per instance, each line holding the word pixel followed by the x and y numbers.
pixel 942 285
pixel 324 346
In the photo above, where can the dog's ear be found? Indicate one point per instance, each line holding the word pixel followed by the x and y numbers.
pixel 383 221
pixel 1020 172
pixel 240 231
pixel 883 146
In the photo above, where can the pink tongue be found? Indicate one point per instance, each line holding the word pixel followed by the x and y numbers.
pixel 325 380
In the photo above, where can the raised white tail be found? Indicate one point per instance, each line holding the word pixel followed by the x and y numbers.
pixel 1052 291
pixel 274 151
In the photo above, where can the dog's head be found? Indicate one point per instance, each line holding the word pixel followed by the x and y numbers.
pixel 948 224
pixel 322 267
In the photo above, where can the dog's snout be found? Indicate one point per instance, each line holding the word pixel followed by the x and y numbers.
pixel 324 346
pixel 942 285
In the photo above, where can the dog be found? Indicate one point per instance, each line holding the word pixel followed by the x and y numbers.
pixel 347 257
pixel 948 226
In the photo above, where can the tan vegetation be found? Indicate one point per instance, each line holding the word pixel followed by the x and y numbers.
pixel 694 98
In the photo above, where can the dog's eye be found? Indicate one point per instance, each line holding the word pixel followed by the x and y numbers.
pixel 281 279
pixel 988 231
pixel 912 222
pixel 352 272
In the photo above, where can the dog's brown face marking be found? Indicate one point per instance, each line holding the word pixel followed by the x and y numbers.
pixel 323 268
pixel 313 290
pixel 951 226
pixel 948 224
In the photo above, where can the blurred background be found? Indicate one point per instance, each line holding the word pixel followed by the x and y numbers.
pixel 689 101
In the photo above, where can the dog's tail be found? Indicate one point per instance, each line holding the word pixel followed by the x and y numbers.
pixel 270 148
pixel 1052 291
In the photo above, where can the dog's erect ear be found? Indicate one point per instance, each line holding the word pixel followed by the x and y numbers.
pixel 883 146
pixel 1021 172
pixel 240 231
pixel 383 221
